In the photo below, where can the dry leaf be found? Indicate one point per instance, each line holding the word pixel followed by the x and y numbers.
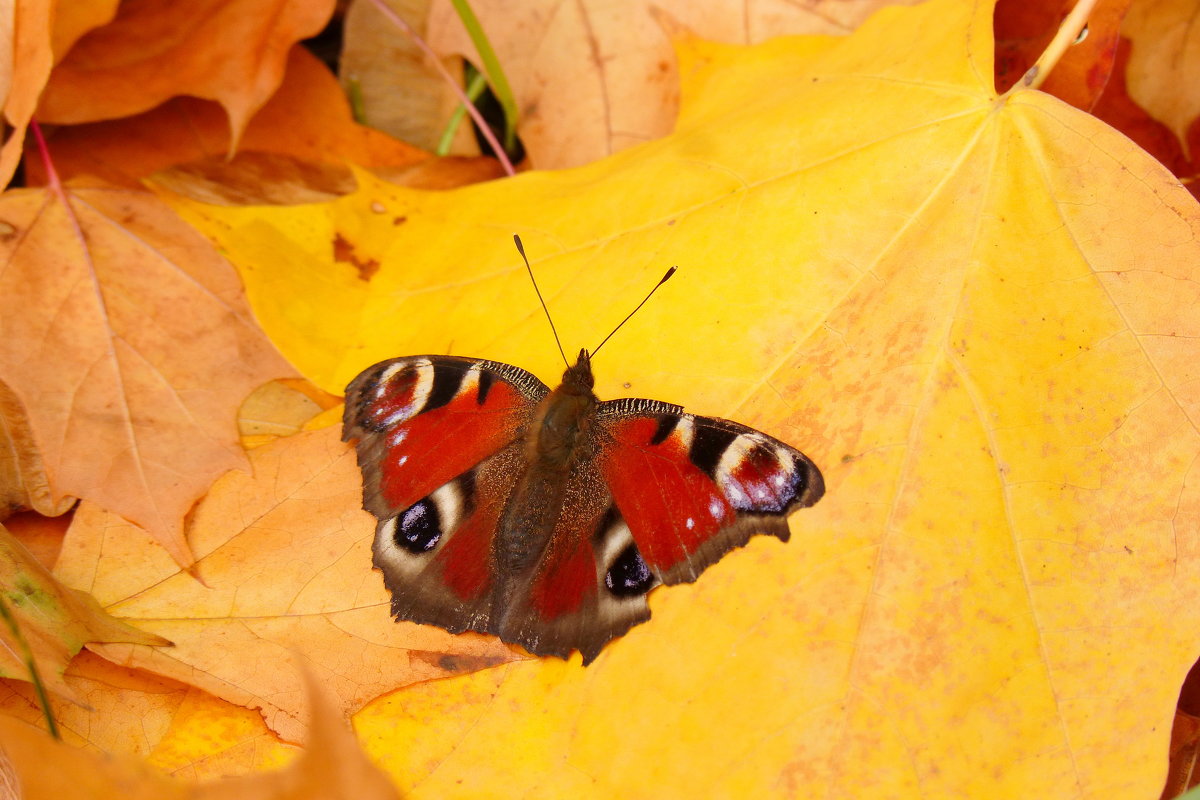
pixel 75 18
pixel 54 621
pixel 331 767
pixel 22 477
pixel 177 728
pixel 42 536
pixel 397 91
pixel 611 80
pixel 31 60
pixel 33 33
pixel 1164 61
pixel 977 313
pixel 608 82
pixel 231 52
pixel 128 341
pixel 280 408
pixel 307 118
pixel 286 560
pixel 1023 30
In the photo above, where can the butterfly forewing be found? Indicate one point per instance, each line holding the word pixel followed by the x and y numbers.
pixel 423 421
pixel 692 488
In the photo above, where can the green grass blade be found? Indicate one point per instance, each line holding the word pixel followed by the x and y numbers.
pixel 491 66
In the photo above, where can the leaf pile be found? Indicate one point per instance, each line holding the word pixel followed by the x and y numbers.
pixel 909 243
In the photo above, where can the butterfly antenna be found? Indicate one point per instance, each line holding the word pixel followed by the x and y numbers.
pixel 529 269
pixel 665 278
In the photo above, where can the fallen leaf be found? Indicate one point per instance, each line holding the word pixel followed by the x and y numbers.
pixel 1023 30
pixel 1166 53
pixel 42 536
pixel 307 118
pixel 977 313
pixel 128 341
pixel 395 89
pixel 75 18
pixel 285 557
pixel 177 728
pixel 28 50
pixel 53 621
pixel 1185 748
pixel 23 482
pixel 231 52
pixel 609 81
pixel 280 408
pixel 32 34
pixel 331 767
pixel 1116 108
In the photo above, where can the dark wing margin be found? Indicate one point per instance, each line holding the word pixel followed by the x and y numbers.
pixel 692 488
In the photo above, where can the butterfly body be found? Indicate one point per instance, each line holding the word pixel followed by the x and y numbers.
pixel 545 517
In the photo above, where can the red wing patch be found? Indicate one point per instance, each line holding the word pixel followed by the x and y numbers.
pixel 670 505
pixel 682 482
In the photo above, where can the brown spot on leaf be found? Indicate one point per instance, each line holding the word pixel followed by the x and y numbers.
pixel 343 251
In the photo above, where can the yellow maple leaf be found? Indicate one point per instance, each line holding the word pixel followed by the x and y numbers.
pixel 975 311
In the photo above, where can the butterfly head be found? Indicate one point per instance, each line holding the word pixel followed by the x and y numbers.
pixel 579 377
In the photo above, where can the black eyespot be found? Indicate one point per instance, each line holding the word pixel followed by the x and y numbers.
pixel 629 576
pixel 419 528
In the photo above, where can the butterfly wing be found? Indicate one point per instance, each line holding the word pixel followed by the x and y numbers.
pixel 667 494
pixel 439 447
pixel 692 488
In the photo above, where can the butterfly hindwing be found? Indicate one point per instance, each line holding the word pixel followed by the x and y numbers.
pixel 589 586
pixel 436 555
pixel 692 488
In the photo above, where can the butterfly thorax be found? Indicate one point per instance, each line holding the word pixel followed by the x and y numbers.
pixel 559 438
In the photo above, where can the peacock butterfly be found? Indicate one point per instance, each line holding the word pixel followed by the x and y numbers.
pixel 545 517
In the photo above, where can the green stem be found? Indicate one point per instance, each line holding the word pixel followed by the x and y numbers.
pixel 35 677
pixel 474 89
pixel 491 66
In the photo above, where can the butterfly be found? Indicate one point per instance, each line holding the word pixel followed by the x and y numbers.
pixel 545 516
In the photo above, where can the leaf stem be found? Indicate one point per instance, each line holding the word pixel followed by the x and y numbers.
pixel 51 173
pixel 484 129
pixel 35 677
pixel 1067 34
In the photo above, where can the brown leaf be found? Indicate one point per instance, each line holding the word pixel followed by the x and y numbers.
pixel 1024 29
pixel 31 59
pixel 331 767
pixel 286 557
pixel 128 341
pixel 54 621
pixel 133 712
pixel 42 536
pixel 231 51
pixel 611 80
pixel 398 92
pixel 23 482
pixel 75 18
pixel 308 118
